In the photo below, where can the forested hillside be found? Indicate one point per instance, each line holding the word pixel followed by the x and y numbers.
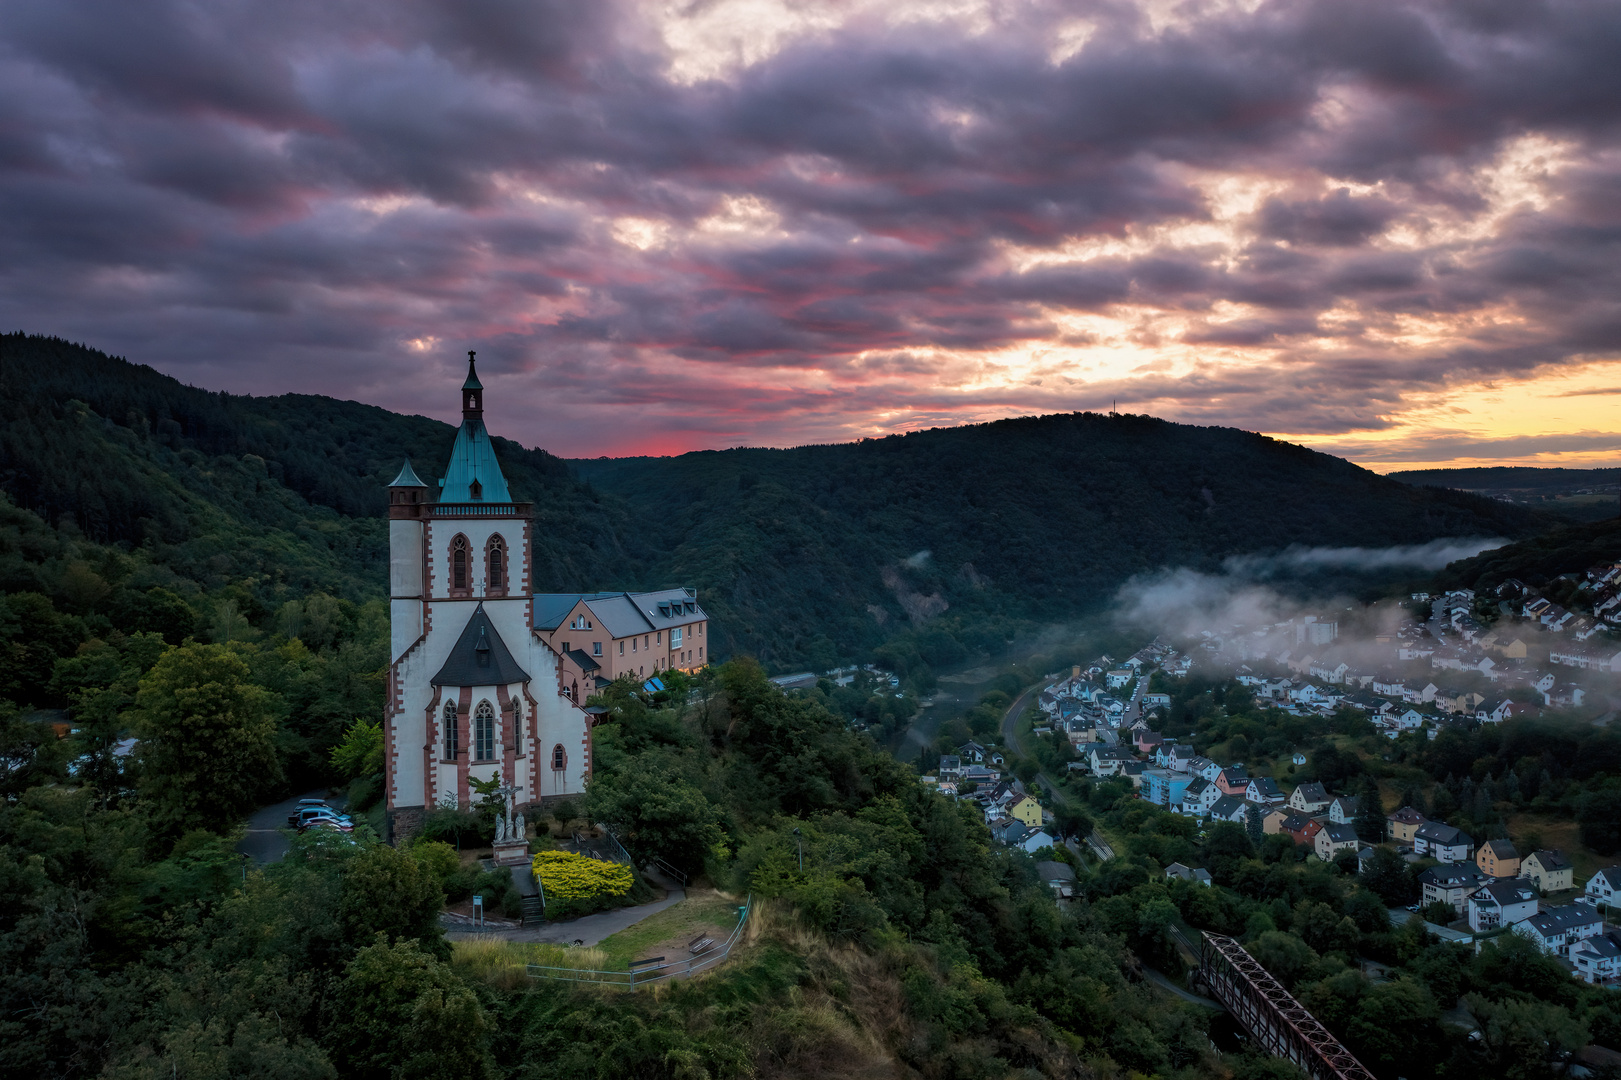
pixel 934 545
pixel 1537 560
pixel 821 549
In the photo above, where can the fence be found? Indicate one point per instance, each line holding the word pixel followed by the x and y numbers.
pixel 642 972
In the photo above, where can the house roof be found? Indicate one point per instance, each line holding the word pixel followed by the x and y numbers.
pixel 1349 804
pixel 585 662
pixel 479 657
pixel 1557 920
pixel 1500 849
pixel 1504 892
pixel 1312 793
pixel 1439 832
pixel 1052 870
pixel 1550 859
pixel 1452 876
pixel 1604 946
pixel 621 614
pixel 1340 834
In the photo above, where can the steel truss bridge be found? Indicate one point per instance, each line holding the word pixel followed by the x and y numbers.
pixel 1270 1013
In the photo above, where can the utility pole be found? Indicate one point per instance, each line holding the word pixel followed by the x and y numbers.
pixel 800 842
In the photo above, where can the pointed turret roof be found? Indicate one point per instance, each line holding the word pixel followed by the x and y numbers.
pixel 472 382
pixel 479 657
pixel 472 459
pixel 408 477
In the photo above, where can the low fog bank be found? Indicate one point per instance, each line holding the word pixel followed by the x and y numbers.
pixel 1260 604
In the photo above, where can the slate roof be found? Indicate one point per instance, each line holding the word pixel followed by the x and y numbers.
pixel 1558 920
pixel 1052 870
pixel 1503 893
pixel 1457 875
pixel 1552 860
pixel 1312 793
pixel 1340 834
pixel 1228 808
pixel 1500 849
pixel 1439 832
pixel 585 662
pixel 621 614
pixel 479 657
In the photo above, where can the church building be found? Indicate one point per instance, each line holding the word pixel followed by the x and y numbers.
pixel 476 687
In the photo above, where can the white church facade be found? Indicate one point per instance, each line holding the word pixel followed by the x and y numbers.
pixel 475 690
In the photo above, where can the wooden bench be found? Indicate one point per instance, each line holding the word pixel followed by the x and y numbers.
pixel 699 944
pixel 651 961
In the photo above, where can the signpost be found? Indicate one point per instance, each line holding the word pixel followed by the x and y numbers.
pixel 478 909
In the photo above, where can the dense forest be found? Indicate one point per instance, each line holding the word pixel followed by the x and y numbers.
pixel 942 543
pixel 1538 560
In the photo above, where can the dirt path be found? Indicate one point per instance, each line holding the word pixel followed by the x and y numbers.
pixel 587 929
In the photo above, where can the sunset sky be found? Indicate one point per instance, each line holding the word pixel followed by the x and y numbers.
pixel 1390 231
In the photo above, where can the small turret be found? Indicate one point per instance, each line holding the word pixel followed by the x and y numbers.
pixel 472 392
pixel 407 495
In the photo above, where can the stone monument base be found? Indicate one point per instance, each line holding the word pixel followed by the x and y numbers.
pixel 512 853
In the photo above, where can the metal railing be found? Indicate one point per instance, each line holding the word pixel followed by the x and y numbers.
pixel 643 973
pixel 668 871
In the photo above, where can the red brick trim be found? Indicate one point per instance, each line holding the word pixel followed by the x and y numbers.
pixel 464 715
pixel 430 765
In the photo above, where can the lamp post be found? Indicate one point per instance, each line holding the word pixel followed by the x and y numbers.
pixel 800 842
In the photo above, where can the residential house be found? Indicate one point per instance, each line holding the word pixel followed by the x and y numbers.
pixel 1005 829
pixel 972 751
pixel 1493 710
pixel 1558 928
pixel 1273 818
pixel 1451 884
pixel 1229 808
pixel 950 765
pixel 1026 810
pixel 1344 809
pixel 1333 839
pixel 1297 758
pixel 1301 829
pixel 1598 959
pixel 1118 677
pixel 1146 741
pixel 1498 859
pixel 1309 799
pixel 1205 768
pixel 1058 876
pixel 1443 842
pixel 1233 780
pixel 1199 796
pixel 1264 790
pixel 1034 840
pixel 1564 696
pixel 1500 903
pixel 1106 760
pixel 1604 887
pixel 1199 876
pixel 1404 823
pixel 1180 758
pixel 1549 870
pixel 979 774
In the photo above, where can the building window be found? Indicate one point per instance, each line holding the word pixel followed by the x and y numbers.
pixel 476 490
pixel 675 638
pixel 701 656
pixel 458 564
pixel 484 732
pixel 452 732
pixel 596 648
pixel 559 758
pixel 517 729
pixel 659 637
pixel 495 558
pixel 622 647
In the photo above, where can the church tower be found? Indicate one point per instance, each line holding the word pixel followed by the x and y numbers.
pixel 473 690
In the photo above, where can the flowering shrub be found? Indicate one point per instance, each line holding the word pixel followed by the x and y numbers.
pixel 566 876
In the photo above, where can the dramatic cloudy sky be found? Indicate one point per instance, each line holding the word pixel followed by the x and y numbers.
pixel 1388 230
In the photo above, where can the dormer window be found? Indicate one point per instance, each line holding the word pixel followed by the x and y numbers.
pixel 475 490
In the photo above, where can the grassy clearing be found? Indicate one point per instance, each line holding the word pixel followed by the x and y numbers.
pixel 701 912
pixel 502 963
pixel 1560 833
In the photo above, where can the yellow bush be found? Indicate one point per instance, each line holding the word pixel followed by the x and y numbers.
pixel 566 876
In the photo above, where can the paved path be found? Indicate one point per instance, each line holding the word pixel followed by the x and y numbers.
pixel 264 842
pixel 1160 980
pixel 587 929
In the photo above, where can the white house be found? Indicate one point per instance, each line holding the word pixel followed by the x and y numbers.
pixel 1443 842
pixel 1501 903
pixel 1598 958
pixel 1033 842
pixel 1604 887
pixel 1343 810
pixel 1558 928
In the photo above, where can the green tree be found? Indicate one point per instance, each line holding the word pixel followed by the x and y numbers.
pixel 404 1015
pixel 389 891
pixel 1523 1040
pixel 655 812
pixel 206 739
pixel 361 751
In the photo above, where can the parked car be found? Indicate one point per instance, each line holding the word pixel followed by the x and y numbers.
pixel 306 817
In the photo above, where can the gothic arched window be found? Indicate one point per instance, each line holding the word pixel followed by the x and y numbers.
pixel 484 732
pixel 452 734
pixel 517 729
pixel 559 758
pixel 458 564
pixel 495 558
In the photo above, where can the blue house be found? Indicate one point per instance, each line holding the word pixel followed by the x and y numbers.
pixel 1162 787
